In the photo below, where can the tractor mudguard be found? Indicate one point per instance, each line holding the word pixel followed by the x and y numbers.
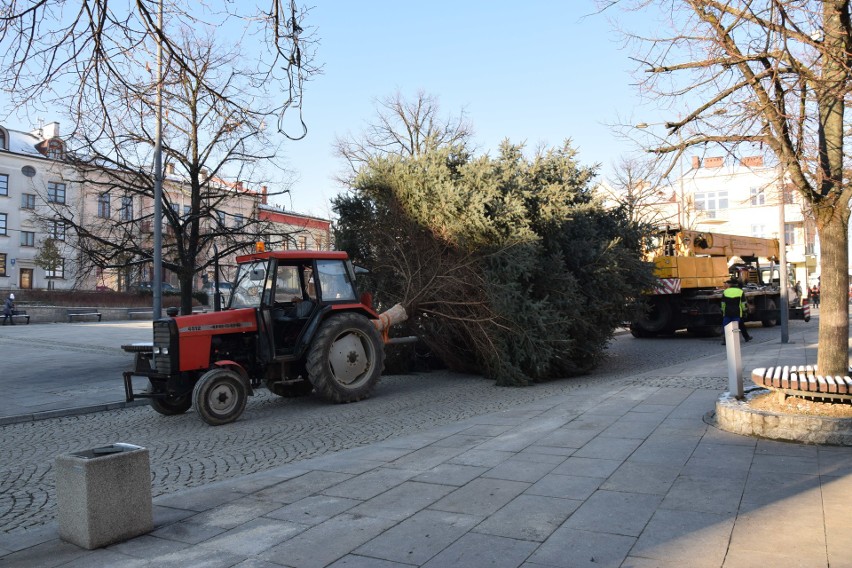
pixel 236 367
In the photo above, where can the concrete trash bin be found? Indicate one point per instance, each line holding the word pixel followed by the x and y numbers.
pixel 104 495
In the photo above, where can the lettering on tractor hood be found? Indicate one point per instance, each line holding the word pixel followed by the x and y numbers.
pixel 216 326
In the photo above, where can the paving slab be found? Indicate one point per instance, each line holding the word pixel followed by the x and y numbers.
pixel 418 539
pixel 528 517
pixel 689 538
pixel 615 512
pixel 571 548
pixel 482 551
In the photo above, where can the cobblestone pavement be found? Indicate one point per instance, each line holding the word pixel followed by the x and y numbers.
pixel 186 452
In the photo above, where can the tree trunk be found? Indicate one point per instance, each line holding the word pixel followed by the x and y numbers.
pixel 185 294
pixel 833 356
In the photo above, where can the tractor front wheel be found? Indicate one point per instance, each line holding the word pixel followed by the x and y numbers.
pixel 346 358
pixel 220 396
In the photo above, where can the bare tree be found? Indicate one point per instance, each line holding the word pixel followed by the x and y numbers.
pixel 637 187
pixel 772 75
pixel 403 128
pixel 209 138
pixel 69 53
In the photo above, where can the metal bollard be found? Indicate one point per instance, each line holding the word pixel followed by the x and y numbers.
pixel 735 360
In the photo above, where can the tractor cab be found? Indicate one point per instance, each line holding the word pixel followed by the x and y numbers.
pixel 293 293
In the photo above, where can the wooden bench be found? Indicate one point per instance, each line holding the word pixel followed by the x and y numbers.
pixel 803 381
pixel 82 313
pixel 20 314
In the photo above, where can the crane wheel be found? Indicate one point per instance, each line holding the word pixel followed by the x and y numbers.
pixel 658 318
pixel 770 321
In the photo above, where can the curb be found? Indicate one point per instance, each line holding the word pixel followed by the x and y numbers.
pixel 62 412
pixel 737 417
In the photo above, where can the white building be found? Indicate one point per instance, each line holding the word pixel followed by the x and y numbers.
pixel 31 175
pixel 749 198
pixel 737 198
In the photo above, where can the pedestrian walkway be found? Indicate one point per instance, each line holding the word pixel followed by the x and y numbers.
pixel 627 473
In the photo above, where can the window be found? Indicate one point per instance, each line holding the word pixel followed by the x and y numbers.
pixel 4 184
pixel 103 206
pixel 27 201
pixel 176 210
pixel 239 221
pixel 2 139
pixel 221 216
pixel 57 230
pixel 3 264
pixel 790 233
pixel 302 243
pixel 58 271
pixel 711 201
pixel 126 208
pixel 54 150
pixel 187 210
pixel 27 239
pixel 334 281
pixel 758 198
pixel 758 231
pixel 788 195
pixel 55 192
pixel 3 224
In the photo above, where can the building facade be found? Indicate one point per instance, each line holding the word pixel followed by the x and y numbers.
pixel 33 180
pixel 38 190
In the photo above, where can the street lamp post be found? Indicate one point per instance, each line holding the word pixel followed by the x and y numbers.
pixel 782 259
pixel 157 286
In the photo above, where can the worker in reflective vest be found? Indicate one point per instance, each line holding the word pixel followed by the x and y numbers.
pixel 733 307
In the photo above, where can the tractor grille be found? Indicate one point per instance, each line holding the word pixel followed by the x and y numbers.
pixel 165 339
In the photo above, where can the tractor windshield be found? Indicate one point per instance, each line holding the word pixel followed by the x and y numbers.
pixel 248 290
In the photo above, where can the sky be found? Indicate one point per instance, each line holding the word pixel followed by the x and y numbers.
pixel 535 72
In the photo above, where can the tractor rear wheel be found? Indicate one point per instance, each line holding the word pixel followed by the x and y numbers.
pixel 346 358
pixel 172 405
pixel 220 396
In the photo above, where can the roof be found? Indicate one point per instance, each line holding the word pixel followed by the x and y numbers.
pixel 23 143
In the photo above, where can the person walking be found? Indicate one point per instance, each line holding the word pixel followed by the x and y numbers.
pixel 8 309
pixel 815 296
pixel 733 307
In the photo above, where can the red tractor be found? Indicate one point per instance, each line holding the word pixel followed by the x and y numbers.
pixel 294 322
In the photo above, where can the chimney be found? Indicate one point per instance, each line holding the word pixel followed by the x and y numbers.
pixel 263 195
pixel 696 162
pixel 715 162
pixel 170 169
pixel 50 130
pixel 753 161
